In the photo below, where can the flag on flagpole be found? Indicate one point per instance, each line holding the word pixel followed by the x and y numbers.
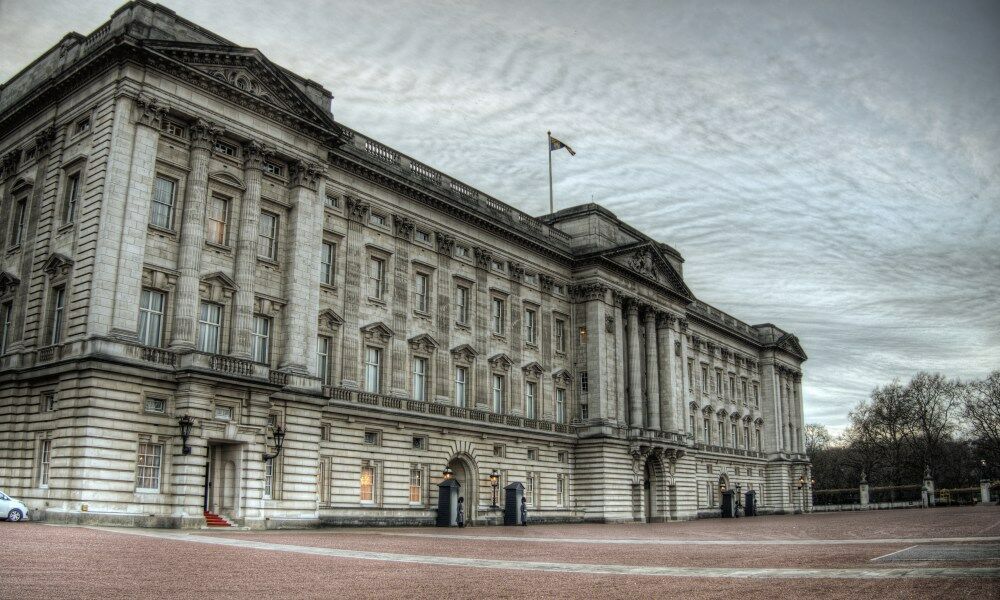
pixel 555 144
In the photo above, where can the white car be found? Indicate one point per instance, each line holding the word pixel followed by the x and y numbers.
pixel 12 510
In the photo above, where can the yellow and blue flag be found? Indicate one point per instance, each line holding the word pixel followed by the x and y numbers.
pixel 555 144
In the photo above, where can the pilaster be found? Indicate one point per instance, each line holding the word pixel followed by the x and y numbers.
pixel 652 372
pixel 254 153
pixel 634 367
pixel 357 214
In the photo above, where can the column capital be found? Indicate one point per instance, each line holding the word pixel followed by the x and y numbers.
pixel 254 154
pixel 483 257
pixel 43 140
pixel 589 291
pixel 445 243
pixel 204 134
pixel 632 307
pixel 665 320
pixel 305 174
pixel 151 111
pixel 403 226
pixel 546 282
pixel 682 324
pixel 357 209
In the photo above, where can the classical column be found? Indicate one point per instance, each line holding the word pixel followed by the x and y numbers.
pixel 399 306
pixel 132 239
pixel 192 240
pixel 254 153
pixel 443 317
pixel 786 442
pixel 665 339
pixel 683 397
pixel 634 366
pixel 482 395
pixel 619 325
pixel 652 372
pixel 357 215
pixel 800 412
pixel 305 230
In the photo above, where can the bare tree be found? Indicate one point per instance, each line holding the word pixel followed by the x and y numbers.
pixel 933 403
pixel 883 425
pixel 818 438
pixel 982 409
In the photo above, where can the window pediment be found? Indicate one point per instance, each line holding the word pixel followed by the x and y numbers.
pixel 158 279
pixel 464 353
pixel 227 179
pixel 57 266
pixel 8 282
pixel 501 362
pixel 377 332
pixel 330 320
pixel 217 287
pixel 562 376
pixel 533 369
pixel 423 343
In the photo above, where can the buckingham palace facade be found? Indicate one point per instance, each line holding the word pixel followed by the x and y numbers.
pixel 195 255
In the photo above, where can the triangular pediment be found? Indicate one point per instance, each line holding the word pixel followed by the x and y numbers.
pixel 563 376
pixel 330 319
pixel 645 260
pixel 533 368
pixel 790 344
pixel 240 74
pixel 222 280
pixel 501 361
pixel 464 352
pixel 377 332
pixel 7 282
pixel 56 262
pixel 423 342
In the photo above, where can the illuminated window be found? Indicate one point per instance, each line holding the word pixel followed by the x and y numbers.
pixel 416 486
pixel 368 484
pixel 147 475
pixel 218 217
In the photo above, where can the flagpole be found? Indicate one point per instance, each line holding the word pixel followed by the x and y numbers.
pixel 549 148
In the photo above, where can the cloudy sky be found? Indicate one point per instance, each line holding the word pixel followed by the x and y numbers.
pixel 830 167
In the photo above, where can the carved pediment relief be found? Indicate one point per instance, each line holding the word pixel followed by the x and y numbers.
pixel 423 343
pixel 270 307
pixel 789 343
pixel 533 369
pixel 23 184
pixel 227 179
pixel 244 80
pixel 377 332
pixel 8 283
pixel 501 362
pixel 646 260
pixel 329 320
pixel 217 287
pixel 57 266
pixel 464 353
pixel 157 279
pixel 562 376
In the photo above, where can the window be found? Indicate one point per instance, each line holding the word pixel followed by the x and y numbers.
pixel 757 439
pixel 218 216
pixel 498 266
pixel 718 382
pixel 6 322
pixel 421 285
pixel 560 405
pixel 420 379
pixel 368 484
pixel 691 425
pixel 45 460
pixel 690 374
pixel 498 393
pixel 209 328
pixel 743 391
pixel 147 471
pixel 416 486
pixel 584 385
pixel 155 405
pixel 562 457
pixel 498 450
pixel 260 339
pixel 559 331
pixel 323 344
pixel 377 219
pixel 72 197
pixel 372 438
pixel 561 490
pixel 461 251
pixel 462 304
pixel 530 326
pixel 529 489
pixel 58 310
pixel 529 399
pixel 756 396
pixel 419 442
pixel 708 469
pixel 326 263
pixel 498 316
pixel 161 209
pixel 424 237
pixel 735 433
pixel 461 377
pixel 174 129
pixel 532 454
pixel 373 362
pixel 267 236
pixel 722 432
pixel 82 126
pixel 584 411
pixel 48 402
pixel 226 149
pixel 332 201
pixel 268 478
pixel 273 168
pixel 224 413
pixel 151 307
pixel 732 387
pixel 17 223
pixel 705 431
pixel 376 277
pixel 746 437
pixel 559 289
pixel 704 379
pixel 583 335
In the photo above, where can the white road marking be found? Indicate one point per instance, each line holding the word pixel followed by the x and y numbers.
pixel 891 553
pixel 681 542
pixel 589 569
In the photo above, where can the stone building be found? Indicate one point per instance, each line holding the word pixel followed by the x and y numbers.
pixel 186 231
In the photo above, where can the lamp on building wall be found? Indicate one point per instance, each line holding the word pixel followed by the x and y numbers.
pixel 279 439
pixel 186 423
pixel 447 473
pixel 495 482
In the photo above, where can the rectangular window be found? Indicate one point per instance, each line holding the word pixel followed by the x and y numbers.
pixel 147 471
pixel 151 309
pixel 743 391
pixel 377 219
pixel 332 201
pixel 690 374
pixel 559 331
pixel 371 438
pixel 584 384
pixel 424 237
pixel 704 380
pixel 368 484
pixel 735 433
pixel 420 379
pixel 48 402
pixel 273 168
pixel 584 411
pixel 562 457
pixel 560 405
pixel 583 335
pixel 17 223
pixel 376 277
pixel 82 126
pixel 209 328
pixel 323 359
pixel 746 437
pixel 498 316
pixel 529 489
pixel 705 432
pixel 6 323
pixel 226 149
pixel 267 236
pixel 218 216
pixel 72 197
pixel 498 393
pixel 462 304
pixel 756 396
pixel 268 478
pixel 718 382
pixel 45 461
pixel 224 413
pixel 561 490
pixel 419 442
pixel 530 326
pixel 757 439
pixel 58 314
pixel 174 129
pixel 416 486
pixel 421 288
pixel 721 432
pixel 326 263
pixel 691 425
pixel 530 388
pixel 461 251
pixel 260 339
pixel 373 363
pixel 161 209
pixel 155 405
pixel 461 378
pixel 532 454
pixel 732 387
pixel 498 450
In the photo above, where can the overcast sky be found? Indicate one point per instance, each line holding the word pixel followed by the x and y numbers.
pixel 830 167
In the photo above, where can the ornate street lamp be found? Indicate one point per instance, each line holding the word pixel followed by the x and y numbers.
pixel 186 423
pixel 802 481
pixel 447 473
pixel 279 439
pixel 495 482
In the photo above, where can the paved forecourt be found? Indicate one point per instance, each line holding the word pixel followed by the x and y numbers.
pixel 947 552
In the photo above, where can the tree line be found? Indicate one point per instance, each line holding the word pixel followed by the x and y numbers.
pixel 945 425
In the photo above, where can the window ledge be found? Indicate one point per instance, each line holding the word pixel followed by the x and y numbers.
pixel 462 326
pixel 270 262
pixel 531 345
pixel 328 287
pixel 499 336
pixel 65 227
pixel 219 247
pixel 377 301
pixel 162 230
pixel 422 313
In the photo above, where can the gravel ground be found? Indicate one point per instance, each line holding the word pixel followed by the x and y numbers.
pixel 49 562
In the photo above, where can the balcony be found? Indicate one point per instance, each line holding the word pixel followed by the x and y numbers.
pixel 406 405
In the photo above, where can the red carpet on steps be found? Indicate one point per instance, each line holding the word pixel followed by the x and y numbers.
pixel 214 520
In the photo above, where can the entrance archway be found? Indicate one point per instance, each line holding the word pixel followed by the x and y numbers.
pixel 466 473
pixel 722 486
pixel 654 491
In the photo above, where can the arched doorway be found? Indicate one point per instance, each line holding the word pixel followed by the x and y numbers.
pixel 649 495
pixel 466 473
pixel 654 491
pixel 721 487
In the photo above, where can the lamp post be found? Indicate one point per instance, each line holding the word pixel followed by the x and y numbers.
pixel 739 503
pixel 186 423
pixel 495 482
pixel 279 438
pixel 447 473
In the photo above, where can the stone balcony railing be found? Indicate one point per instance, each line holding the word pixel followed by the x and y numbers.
pixel 445 410
pixel 731 451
